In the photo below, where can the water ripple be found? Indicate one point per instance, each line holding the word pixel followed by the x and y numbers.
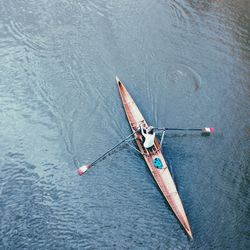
pixel 16 31
pixel 181 13
pixel 184 62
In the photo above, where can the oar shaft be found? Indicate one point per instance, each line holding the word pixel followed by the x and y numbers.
pixel 111 149
pixel 189 129
pixel 204 131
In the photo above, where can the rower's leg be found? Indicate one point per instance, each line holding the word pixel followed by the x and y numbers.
pixel 147 152
pixel 151 150
pixel 154 149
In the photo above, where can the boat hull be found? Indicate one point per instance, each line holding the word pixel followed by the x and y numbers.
pixel 161 175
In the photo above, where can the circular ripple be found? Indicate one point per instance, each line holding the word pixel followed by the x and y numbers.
pixel 185 76
pixel 177 78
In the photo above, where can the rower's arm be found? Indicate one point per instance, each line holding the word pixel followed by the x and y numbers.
pixel 143 131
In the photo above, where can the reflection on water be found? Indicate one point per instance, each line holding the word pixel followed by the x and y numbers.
pixel 186 63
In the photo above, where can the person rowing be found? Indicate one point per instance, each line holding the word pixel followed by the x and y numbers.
pixel 148 136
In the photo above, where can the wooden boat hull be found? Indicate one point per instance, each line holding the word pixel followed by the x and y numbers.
pixel 162 176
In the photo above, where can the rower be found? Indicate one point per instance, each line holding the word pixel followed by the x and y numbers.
pixel 148 136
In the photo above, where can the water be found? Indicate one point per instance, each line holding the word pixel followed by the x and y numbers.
pixel 186 63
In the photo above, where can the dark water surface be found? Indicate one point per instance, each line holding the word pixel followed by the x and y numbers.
pixel 186 63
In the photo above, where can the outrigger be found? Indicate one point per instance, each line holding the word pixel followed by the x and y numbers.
pixel 154 158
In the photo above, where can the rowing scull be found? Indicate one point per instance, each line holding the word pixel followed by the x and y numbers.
pixel 161 175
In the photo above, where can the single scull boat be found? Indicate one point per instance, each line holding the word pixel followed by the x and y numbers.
pixel 154 159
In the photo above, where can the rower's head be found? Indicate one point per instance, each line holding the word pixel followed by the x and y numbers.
pixel 150 130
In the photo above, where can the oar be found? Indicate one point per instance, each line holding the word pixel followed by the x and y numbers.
pixel 84 168
pixel 204 131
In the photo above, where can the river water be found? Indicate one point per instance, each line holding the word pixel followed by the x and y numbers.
pixel 186 63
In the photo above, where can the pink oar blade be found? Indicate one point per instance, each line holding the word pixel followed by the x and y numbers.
pixel 83 169
pixel 207 131
pixel 212 130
